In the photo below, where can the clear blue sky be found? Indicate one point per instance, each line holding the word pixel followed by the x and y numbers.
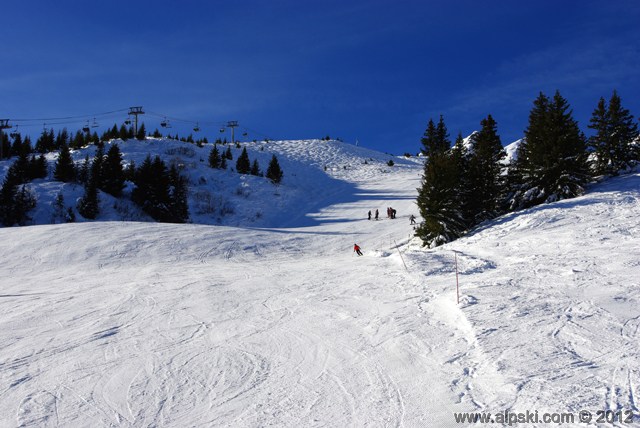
pixel 370 70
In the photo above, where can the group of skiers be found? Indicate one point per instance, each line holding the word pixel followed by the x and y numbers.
pixel 391 213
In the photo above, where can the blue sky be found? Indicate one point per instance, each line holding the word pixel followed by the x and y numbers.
pixel 374 71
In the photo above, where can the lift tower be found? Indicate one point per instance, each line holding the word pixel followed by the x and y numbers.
pixel 136 111
pixel 232 124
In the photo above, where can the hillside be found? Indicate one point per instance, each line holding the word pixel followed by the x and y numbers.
pixel 278 323
pixel 223 197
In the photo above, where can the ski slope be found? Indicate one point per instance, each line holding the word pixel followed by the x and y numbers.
pixel 278 323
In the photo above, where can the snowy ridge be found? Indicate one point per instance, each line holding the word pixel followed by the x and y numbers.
pixel 134 323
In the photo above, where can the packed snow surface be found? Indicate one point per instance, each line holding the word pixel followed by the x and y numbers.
pixel 279 323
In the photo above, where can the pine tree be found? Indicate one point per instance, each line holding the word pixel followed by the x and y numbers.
pixel 615 132
pixel 435 138
pixel 484 173
pixel 79 141
pixel 438 201
pixel 142 132
pixel 274 172
pixel 96 172
pixel 38 167
pixel 112 172
pixel 65 169
pixel 83 171
pixel 89 204
pixel 552 159
pixel 152 189
pixel 123 132
pixel 255 167
pixel 228 153
pixel 16 147
pixel 243 164
pixel 214 157
pixel 14 200
pixel 45 142
pixel 178 196
pixel 223 163
pixel 6 145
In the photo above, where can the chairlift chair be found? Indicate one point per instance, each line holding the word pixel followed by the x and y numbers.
pixel 196 128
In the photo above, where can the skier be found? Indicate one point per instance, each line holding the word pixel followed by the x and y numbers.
pixel 369 214
pixel 413 219
pixel 393 213
pixel 357 249
pixel 376 213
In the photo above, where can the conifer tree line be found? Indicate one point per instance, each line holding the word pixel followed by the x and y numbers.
pixel 218 160
pixel 466 184
pixel 159 190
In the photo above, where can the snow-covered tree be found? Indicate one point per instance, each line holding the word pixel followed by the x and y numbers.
pixel 552 159
pixel 615 130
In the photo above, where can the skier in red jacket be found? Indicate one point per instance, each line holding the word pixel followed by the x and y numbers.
pixel 357 249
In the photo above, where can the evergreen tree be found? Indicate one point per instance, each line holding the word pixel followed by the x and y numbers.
pixel 484 173
pixel 152 189
pixel 228 153
pixel 16 147
pixel 438 201
pixel 255 167
pixel 142 132
pixel 38 167
pixel 460 158
pixel 112 172
pixel 89 204
pixel 61 139
pixel 83 172
pixel 223 163
pixel 615 133
pixel 130 171
pixel 274 172
pixel 123 132
pixel 6 146
pixel 65 169
pixel 45 143
pixel 16 200
pixel 435 138
pixel 552 160
pixel 214 157
pixel 178 197
pixel 243 164
pixel 79 140
pixel 26 146
pixel 97 167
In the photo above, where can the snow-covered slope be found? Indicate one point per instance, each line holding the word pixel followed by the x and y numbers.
pixel 314 171
pixel 146 324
